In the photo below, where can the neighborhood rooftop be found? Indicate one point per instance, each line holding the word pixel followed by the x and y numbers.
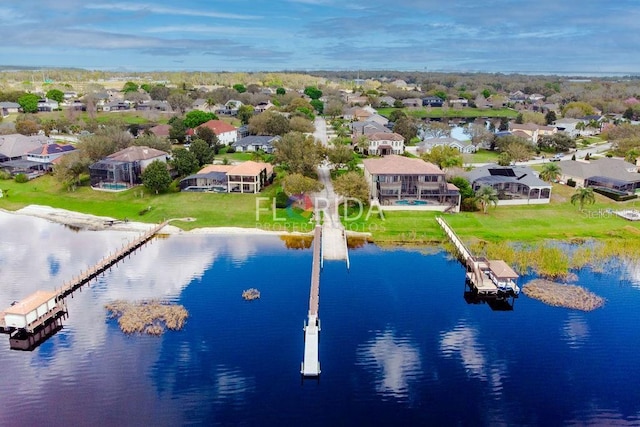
pixel 399 165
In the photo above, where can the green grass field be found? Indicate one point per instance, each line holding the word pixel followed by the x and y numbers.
pixel 209 209
pixel 559 220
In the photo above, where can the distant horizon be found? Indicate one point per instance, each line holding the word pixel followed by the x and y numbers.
pixel 546 37
pixel 567 74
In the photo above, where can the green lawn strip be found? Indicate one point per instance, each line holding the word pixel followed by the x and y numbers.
pixel 482 156
pixel 209 209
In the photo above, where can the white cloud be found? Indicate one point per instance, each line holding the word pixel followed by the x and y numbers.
pixel 163 10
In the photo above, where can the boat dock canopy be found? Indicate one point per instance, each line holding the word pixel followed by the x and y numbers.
pixel 501 270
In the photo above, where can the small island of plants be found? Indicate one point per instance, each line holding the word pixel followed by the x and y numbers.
pixel 251 294
pixel 148 317
pixel 561 295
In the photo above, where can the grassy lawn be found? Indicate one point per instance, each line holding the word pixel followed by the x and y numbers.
pixel 436 113
pixel 209 209
pixel 482 156
pixel 128 117
pixel 559 220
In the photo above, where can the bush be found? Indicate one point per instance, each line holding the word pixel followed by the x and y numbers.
pixel 231 149
pixel 5 175
pixel 571 183
pixel 282 200
pixel 21 178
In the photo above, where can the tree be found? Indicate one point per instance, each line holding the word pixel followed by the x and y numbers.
pixel 130 87
pixel 312 92
pixel 159 93
pixel 195 118
pixel 299 184
pixel 281 91
pixel 70 167
pixel 209 136
pixel 245 112
pixel 334 108
pixel 550 172
pixel 29 103
pixel 504 159
pixel 156 177
pixel 178 130
pixel 103 142
pixel 340 155
pixel 299 153
pixel 55 94
pixel 550 117
pixel 479 134
pixel 486 196
pixel 467 200
pixel 301 124
pixel 27 126
pixel 632 155
pixel 179 102
pixel 240 88
pixel 583 196
pixel 407 127
pixel 317 105
pixel 352 185
pixel 443 156
pixel 436 130
pixel 518 151
pixel 396 115
pixel 184 161
pixel 269 123
pixel 202 151
pixel 519 119
pixel 504 124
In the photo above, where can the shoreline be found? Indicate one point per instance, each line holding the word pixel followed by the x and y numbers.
pixel 102 223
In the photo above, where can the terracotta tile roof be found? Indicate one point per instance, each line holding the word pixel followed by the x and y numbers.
pixel 216 168
pixel 249 168
pixel 400 165
pixel 219 126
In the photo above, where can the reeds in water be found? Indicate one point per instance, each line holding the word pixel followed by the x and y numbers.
pixel 560 295
pixel 149 317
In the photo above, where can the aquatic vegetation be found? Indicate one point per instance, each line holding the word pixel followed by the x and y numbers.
pixel 251 294
pixel 561 295
pixel 149 317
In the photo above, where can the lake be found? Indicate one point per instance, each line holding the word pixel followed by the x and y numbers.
pixel 399 342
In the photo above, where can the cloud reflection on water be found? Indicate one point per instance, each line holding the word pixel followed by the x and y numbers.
pixel 395 361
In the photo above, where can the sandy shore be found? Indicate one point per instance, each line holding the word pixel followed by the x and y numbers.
pixel 93 222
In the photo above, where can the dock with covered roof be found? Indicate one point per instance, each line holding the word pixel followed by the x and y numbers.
pixel 42 308
pixel 487 278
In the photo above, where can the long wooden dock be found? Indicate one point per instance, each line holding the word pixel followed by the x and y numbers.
pixel 311 364
pixel 490 278
pixel 41 309
pixel 107 262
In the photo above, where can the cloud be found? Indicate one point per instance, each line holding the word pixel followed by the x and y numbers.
pixel 164 10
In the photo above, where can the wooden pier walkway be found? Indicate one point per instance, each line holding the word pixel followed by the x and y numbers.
pixel 107 262
pixel 490 278
pixel 311 364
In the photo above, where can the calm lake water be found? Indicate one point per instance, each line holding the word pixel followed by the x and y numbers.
pixel 399 343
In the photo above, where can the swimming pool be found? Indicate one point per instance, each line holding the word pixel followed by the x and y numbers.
pixel 410 202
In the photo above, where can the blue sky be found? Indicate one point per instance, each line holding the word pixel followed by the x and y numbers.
pixel 244 35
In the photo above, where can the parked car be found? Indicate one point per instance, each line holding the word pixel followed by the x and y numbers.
pixel 557 157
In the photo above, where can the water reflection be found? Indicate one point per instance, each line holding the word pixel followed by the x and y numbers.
pixel 575 330
pixel 462 342
pixel 395 362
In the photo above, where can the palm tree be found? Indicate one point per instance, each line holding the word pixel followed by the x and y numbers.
pixel 583 196
pixel 486 196
pixel 550 172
